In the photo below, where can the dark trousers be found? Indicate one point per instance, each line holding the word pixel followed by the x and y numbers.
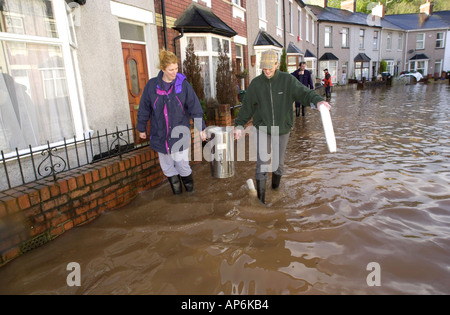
pixel 299 108
pixel 328 91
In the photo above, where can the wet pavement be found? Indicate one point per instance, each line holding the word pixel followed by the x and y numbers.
pixel 382 198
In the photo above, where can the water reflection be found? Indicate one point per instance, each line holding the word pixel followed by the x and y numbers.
pixel 383 197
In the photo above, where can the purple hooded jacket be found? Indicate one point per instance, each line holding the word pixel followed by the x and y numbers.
pixel 167 110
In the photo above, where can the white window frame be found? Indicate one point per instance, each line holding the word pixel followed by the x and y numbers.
pixel 328 37
pixel 262 17
pixel 390 66
pixel 311 65
pixel 278 16
pixel 307 27
pixel 413 66
pixel 439 63
pixel 389 41
pixel 291 17
pixel 362 35
pixel 400 42
pixel 441 40
pixel 375 39
pixel 420 43
pixel 262 10
pixel 300 23
pixel 345 37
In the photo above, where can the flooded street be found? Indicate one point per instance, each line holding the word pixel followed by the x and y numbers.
pixel 383 197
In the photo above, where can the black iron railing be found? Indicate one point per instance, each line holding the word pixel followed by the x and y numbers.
pixel 31 164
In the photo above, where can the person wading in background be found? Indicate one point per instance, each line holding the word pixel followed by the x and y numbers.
pixel 304 76
pixel 268 100
pixel 170 101
pixel 327 83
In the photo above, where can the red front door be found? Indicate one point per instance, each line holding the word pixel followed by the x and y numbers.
pixel 134 57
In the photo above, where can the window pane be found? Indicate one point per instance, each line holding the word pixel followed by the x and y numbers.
pixel 345 37
pixel 420 41
pixel 204 64
pixel 28 17
pixel 35 105
pixel 134 76
pixel 327 42
pixel 226 45
pixel 216 44
pixel 199 43
pixel 131 32
pixel 215 63
pixel 238 51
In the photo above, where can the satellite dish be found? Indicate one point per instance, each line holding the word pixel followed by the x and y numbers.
pixel 410 51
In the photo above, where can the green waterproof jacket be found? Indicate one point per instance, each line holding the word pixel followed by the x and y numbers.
pixel 270 101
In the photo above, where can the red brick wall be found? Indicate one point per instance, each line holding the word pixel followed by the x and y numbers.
pixel 220 8
pixel 35 213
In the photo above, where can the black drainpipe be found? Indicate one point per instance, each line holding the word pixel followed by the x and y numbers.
pixel 284 24
pixel 318 44
pixel 163 12
pixel 175 40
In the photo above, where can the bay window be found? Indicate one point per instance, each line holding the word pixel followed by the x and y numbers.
pixel 36 61
pixel 332 66
pixel 207 47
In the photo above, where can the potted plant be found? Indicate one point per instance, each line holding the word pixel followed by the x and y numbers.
pixel 242 74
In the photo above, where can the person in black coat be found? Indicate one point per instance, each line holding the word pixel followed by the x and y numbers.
pixel 304 76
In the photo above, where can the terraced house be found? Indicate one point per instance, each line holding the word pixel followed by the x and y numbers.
pixel 407 42
pixel 425 36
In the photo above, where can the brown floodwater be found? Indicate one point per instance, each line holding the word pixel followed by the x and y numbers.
pixel 382 198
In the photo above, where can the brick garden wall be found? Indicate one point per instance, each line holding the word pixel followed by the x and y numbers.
pixel 35 213
pixel 38 212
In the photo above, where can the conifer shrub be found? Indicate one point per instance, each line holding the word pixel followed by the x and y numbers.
pixel 193 71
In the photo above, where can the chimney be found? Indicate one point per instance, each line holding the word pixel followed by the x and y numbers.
pixel 379 10
pixel 349 5
pixel 320 3
pixel 427 8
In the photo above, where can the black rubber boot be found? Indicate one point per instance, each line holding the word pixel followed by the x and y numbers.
pixel 175 183
pixel 261 190
pixel 275 180
pixel 297 111
pixel 188 182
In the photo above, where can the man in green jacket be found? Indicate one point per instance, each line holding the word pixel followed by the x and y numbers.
pixel 269 101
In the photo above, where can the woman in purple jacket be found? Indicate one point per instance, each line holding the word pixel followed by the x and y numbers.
pixel 304 76
pixel 170 101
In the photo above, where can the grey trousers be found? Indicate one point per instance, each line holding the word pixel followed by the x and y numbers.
pixel 270 154
pixel 175 163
